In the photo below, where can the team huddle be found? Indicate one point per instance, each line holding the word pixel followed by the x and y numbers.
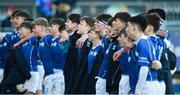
pixel 120 54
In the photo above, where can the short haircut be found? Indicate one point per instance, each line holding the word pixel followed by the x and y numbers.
pixel 40 21
pixel 22 13
pixel 123 16
pixel 154 21
pixel 104 18
pixel 140 21
pixel 89 20
pixel 58 21
pixel 30 19
pixel 15 12
pixel 74 18
pixel 110 21
pixel 159 11
pixel 26 24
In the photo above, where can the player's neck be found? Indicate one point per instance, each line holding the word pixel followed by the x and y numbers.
pixel 139 35
pixel 74 29
pixel 96 42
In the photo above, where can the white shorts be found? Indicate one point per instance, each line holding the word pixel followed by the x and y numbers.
pixel 101 86
pixel 1 74
pixel 41 76
pixel 32 84
pixel 162 88
pixel 54 83
pixel 124 86
pixel 151 88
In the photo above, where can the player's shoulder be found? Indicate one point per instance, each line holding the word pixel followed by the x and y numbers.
pixel 33 40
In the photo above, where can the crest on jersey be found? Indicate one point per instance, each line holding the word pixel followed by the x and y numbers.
pixel 114 47
pixel 54 44
pixel 136 53
pixel 42 44
pixel 88 44
pixel 25 44
pixel 4 44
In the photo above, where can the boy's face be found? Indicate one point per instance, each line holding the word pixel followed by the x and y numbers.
pixel 83 27
pixel 118 24
pixel 92 35
pixel 130 29
pixel 38 29
pixel 99 26
pixel 70 25
pixel 123 40
pixel 16 21
pixel 53 29
pixel 24 32
pixel 113 33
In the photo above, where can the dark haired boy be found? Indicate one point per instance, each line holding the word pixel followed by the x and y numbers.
pixel 140 58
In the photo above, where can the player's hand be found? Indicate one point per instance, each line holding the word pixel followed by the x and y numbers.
pixel 15 45
pixel 64 36
pixel 116 55
pixel 156 64
pixel 80 41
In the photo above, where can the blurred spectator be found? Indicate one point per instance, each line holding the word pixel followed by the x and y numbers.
pixel 44 8
pixel 62 7
pixel 6 22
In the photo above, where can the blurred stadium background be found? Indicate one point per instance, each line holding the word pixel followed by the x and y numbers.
pixel 60 8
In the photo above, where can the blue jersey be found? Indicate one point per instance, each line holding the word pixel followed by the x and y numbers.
pixel 105 43
pixel 7 42
pixel 146 53
pixel 15 37
pixel 142 56
pixel 133 68
pixel 29 51
pixel 158 44
pixel 45 54
pixel 103 68
pixel 124 63
pixel 57 54
pixel 4 49
pixel 92 56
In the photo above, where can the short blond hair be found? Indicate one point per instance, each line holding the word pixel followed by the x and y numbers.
pixel 40 21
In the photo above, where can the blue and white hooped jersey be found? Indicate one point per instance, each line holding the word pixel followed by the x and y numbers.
pixel 57 55
pixel 45 54
pixel 92 56
pixel 29 51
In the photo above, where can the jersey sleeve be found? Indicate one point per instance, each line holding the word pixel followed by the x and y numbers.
pixel 48 40
pixel 145 52
pixel 34 41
